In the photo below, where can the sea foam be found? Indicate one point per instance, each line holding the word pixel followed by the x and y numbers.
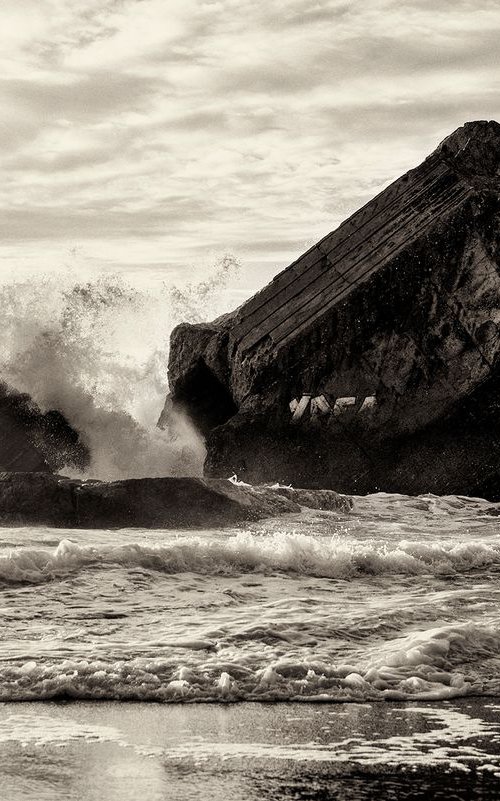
pixel 245 552
pixel 418 667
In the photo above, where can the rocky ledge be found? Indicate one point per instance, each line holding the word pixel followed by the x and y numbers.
pixel 373 361
pixel 34 440
pixel 51 500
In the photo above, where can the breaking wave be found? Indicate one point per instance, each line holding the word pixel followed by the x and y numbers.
pixel 97 352
pixel 343 611
pixel 245 552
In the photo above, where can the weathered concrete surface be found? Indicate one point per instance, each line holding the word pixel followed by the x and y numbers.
pixel 33 440
pixel 372 362
pixel 44 499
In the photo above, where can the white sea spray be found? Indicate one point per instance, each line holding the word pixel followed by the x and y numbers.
pixel 96 350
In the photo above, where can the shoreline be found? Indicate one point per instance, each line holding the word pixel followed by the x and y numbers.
pixel 95 750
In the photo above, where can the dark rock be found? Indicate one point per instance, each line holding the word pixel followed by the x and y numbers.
pixel 45 499
pixel 328 500
pixel 33 440
pixel 373 361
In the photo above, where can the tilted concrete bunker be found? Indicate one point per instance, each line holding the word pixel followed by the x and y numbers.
pixel 372 362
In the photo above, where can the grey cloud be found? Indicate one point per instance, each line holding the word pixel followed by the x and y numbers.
pixel 15 131
pixel 272 78
pixel 399 56
pixel 195 120
pixel 422 117
pixel 276 245
pixel 324 45
pixel 89 25
pixel 62 162
pixel 430 6
pixel 85 100
pixel 240 121
pixel 305 13
pixel 334 55
pixel 50 53
pixel 56 223
pixel 371 57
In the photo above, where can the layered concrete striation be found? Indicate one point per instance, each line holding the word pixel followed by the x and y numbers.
pixel 372 362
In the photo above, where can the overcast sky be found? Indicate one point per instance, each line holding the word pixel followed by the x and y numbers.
pixel 153 135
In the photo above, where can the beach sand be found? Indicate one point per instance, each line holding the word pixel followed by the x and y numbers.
pixel 90 751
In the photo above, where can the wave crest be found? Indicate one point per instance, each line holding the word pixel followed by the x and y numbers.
pixel 246 552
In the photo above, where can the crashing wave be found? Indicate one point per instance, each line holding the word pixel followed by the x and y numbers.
pixel 245 552
pixel 96 351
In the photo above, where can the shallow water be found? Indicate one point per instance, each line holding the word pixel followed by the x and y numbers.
pixel 397 600
pixel 248 752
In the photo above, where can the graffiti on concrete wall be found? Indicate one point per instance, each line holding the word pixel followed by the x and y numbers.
pixel 320 406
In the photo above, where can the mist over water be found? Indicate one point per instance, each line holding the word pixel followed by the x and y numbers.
pixel 97 351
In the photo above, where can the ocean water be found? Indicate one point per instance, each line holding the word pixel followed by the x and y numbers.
pixel 318 655
pixel 397 600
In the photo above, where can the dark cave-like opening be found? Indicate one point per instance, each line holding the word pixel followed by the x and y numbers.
pixel 205 398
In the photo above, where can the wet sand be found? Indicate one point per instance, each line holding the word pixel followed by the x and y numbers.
pixel 93 751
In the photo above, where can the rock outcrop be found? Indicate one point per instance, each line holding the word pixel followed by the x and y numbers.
pixel 33 440
pixel 44 499
pixel 372 362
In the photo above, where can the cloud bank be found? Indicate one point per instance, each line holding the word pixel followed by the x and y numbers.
pixel 150 134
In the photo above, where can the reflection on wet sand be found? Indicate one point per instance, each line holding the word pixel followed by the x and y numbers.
pixel 91 751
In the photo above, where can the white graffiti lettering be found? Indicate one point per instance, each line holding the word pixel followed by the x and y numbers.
pixel 300 408
pixel 341 405
pixel 320 406
pixel 368 403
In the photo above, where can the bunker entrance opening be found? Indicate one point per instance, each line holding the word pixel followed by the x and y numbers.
pixel 205 398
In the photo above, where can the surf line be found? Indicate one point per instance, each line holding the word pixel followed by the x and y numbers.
pixel 319 405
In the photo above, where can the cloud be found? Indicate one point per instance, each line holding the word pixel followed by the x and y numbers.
pixel 83 99
pixel 152 131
